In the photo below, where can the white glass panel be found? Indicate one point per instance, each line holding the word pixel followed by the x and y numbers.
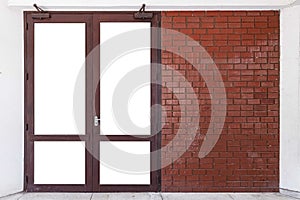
pixel 59 162
pixel 59 56
pixel 139 107
pixel 125 162
pixel 125 78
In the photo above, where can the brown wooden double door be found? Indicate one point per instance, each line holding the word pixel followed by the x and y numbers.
pixel 72 143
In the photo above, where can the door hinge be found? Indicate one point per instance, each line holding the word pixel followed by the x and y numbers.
pixel 26 127
pixel 26 183
pixel 27 76
pixel 26 26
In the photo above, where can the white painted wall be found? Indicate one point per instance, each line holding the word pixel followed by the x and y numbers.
pixel 11 80
pixel 290 99
pixel 11 98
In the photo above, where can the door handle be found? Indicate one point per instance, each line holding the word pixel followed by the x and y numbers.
pixel 96 121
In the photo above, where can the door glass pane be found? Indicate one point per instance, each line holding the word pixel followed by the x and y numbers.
pixel 125 162
pixel 59 162
pixel 59 56
pixel 125 57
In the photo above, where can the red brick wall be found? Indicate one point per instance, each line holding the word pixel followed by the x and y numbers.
pixel 245 48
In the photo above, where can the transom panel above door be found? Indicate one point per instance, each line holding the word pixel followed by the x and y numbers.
pixel 91 86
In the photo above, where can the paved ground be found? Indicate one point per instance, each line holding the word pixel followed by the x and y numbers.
pixel 148 196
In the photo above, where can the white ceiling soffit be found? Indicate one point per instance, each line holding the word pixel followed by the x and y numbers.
pixel 156 4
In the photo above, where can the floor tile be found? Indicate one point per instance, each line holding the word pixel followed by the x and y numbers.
pixel 259 196
pixel 148 196
pixel 12 197
pixel 126 196
pixel 56 196
pixel 195 196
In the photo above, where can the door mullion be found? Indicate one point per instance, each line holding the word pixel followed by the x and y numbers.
pixel 89 103
pixel 96 101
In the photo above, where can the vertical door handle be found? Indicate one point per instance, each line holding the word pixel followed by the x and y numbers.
pixel 96 121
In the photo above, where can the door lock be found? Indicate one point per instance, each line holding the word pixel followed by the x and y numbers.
pixel 96 121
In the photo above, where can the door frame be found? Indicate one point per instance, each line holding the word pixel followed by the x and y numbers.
pixel 91 163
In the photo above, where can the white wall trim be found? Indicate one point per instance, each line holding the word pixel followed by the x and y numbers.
pixel 11 101
pixel 290 98
pixel 156 4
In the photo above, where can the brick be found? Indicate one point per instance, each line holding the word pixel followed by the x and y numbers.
pixel 178 19
pixel 245 47
pixel 179 25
